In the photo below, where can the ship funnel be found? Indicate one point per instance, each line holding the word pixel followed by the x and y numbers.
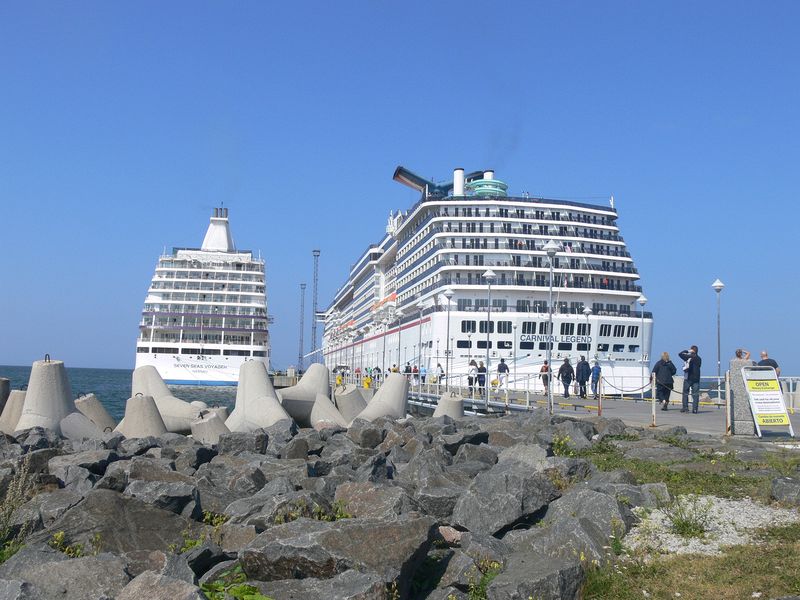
pixel 488 174
pixel 458 182
pixel 218 235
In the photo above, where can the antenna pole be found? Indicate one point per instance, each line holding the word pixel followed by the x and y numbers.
pixel 302 312
pixel 315 253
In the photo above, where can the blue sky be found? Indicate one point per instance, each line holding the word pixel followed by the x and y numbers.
pixel 123 124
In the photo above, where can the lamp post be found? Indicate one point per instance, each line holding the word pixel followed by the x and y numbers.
pixel 385 323
pixel 550 248
pixel 420 307
pixel 514 352
pixel 399 316
pixel 489 276
pixel 718 285
pixel 448 294
pixel 642 301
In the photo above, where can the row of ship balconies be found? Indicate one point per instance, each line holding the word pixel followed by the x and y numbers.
pixel 198 267
pixel 208 286
pixel 228 340
pixel 197 275
pixel 194 323
pixel 166 296
pixel 192 310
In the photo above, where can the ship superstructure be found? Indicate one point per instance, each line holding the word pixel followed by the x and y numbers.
pixel 467 267
pixel 205 312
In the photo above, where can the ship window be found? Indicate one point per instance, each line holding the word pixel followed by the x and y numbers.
pixel 236 352
pixel 528 327
pixel 483 326
pixel 259 353
pixel 545 328
pixel 464 344
pixel 633 348
pixel 523 306
pixel 567 328
pixel 187 351
pixel 543 345
pixel 602 347
pixel 142 350
pixel 504 327
pixel 504 345
pixel 618 347
pixel 619 330
pixel 467 326
pixel 605 330
pixel 564 346
pixel 583 347
pixel 165 350
pixel 584 329
pixel 633 331
pixel 464 304
pixel 482 344
pixel 526 345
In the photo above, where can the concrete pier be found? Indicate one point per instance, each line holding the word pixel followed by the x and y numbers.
pixel 49 396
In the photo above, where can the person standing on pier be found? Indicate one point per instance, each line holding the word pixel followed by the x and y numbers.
pixel 544 373
pixel 766 361
pixel 582 373
pixel 596 370
pixel 472 376
pixel 691 378
pixel 502 374
pixel 481 378
pixel 664 370
pixel 566 374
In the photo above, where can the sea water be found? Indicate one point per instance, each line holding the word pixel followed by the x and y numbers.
pixel 113 387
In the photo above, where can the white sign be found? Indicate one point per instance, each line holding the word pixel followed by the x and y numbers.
pixel 766 398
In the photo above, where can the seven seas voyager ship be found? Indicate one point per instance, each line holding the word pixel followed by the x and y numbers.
pixel 393 308
pixel 205 312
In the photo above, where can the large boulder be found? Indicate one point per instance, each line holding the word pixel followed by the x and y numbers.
pixel 153 586
pixel 502 496
pixel 374 501
pixel 349 585
pixel 786 489
pixel 531 575
pixel 606 512
pixel 567 537
pixel 392 549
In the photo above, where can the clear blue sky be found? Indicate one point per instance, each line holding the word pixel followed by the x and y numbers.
pixel 123 124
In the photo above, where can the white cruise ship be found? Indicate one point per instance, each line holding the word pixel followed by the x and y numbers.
pixel 205 312
pixel 422 295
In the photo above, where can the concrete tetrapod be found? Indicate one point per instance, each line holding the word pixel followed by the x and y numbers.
pixel 349 401
pixel 93 410
pixel 391 400
pixel 298 400
pixel 49 396
pixel 5 391
pixel 77 426
pixel 142 418
pixel 450 405
pixel 208 428
pixel 257 404
pixel 12 411
pixel 324 414
pixel 176 414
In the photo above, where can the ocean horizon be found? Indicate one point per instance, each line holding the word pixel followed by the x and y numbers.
pixel 113 387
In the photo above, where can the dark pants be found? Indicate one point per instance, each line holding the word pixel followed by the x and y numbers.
pixel 663 391
pixel 567 383
pixel 471 384
pixel 481 383
pixel 693 388
pixel 594 386
pixel 582 389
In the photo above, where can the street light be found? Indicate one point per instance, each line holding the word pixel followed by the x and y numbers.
pixel 489 276
pixel 550 248
pixel 514 354
pixel 420 307
pixel 448 293
pixel 399 316
pixel 642 301
pixel 718 285
pixel 385 322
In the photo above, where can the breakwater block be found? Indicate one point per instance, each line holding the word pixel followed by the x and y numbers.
pixel 324 414
pixel 5 391
pixel 391 400
pixel 12 411
pixel 176 413
pixel 298 400
pixel 77 426
pixel 49 396
pixel 208 428
pixel 450 405
pixel 349 401
pixel 257 404
pixel 93 410
pixel 142 418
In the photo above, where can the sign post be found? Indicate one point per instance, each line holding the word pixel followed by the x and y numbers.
pixel 766 398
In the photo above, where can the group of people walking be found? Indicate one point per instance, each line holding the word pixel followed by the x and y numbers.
pixel 582 373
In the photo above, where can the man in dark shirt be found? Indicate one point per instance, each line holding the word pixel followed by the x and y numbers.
pixel 766 361
pixel 691 378
pixel 582 373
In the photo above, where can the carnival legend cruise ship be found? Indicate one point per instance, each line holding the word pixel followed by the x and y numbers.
pixel 205 312
pixel 465 274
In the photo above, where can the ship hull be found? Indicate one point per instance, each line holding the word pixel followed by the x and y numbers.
pixel 195 370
